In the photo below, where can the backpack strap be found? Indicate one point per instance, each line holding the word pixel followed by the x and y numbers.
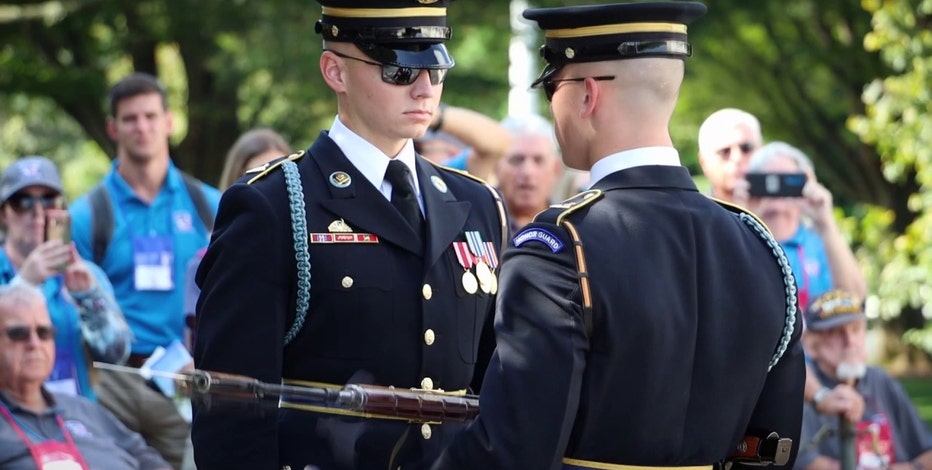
pixel 101 221
pixel 204 212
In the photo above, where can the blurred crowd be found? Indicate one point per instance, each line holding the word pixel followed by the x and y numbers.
pixel 117 283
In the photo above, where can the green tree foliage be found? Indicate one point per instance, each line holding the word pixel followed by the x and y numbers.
pixel 898 123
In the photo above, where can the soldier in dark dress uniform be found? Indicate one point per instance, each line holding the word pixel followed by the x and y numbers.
pixel 639 324
pixel 336 266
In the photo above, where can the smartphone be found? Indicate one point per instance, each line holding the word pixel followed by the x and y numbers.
pixel 776 184
pixel 58 226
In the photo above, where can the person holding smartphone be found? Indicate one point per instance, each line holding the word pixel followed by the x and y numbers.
pixel 37 250
pixel 801 218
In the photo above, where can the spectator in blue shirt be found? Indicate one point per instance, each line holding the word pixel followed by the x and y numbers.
pixel 78 294
pixel 805 226
pixel 157 227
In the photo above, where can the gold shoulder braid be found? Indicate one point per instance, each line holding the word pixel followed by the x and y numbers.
pixel 267 168
pixel 740 210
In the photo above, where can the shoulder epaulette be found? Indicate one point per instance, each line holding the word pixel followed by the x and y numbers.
pixel 267 168
pixel 457 171
pixel 740 210
pixel 557 212
pixel 498 199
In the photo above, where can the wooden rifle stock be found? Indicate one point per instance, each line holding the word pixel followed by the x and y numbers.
pixel 412 405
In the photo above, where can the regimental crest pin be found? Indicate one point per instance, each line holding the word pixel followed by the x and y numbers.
pixel 340 179
pixel 339 226
pixel 439 183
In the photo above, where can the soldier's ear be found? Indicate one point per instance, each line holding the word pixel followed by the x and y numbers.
pixel 333 70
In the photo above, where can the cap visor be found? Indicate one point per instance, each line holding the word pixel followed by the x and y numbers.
pixel 433 56
pixel 835 321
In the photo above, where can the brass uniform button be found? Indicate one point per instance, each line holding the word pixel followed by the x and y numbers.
pixel 427 383
pixel 286 467
pixel 347 282
pixel 427 292
pixel 426 431
pixel 429 337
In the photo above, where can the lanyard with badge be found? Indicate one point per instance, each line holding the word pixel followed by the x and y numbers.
pixel 49 454
pixel 154 257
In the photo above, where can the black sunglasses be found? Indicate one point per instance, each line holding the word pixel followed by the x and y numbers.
pixel 23 203
pixel 21 334
pixel 744 147
pixel 550 84
pixel 397 75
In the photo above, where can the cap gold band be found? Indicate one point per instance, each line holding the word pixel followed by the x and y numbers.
pixel 604 30
pixel 384 12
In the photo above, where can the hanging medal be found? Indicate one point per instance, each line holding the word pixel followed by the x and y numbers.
pixel 493 263
pixel 465 259
pixel 474 239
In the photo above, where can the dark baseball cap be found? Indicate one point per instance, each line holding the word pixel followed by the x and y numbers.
pixel 833 309
pixel 29 171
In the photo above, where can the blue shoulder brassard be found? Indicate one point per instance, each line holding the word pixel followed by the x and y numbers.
pixel 558 214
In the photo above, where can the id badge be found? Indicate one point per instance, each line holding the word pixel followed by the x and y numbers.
pixel 153 259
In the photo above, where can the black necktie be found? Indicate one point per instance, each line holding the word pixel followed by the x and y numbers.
pixel 403 196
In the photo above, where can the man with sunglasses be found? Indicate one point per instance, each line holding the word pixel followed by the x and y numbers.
pixel 78 294
pixel 640 324
pixel 727 138
pixel 42 428
pixel 355 261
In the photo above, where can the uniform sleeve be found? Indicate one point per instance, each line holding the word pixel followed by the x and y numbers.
pixel 531 389
pixel 241 312
pixel 780 405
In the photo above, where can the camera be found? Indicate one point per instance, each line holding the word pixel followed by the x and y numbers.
pixel 776 184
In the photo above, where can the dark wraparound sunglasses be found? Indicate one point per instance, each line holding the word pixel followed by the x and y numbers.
pixel 744 147
pixel 550 85
pixel 397 75
pixel 23 203
pixel 21 334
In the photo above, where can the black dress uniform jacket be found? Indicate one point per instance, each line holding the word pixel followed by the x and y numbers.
pixel 688 309
pixel 370 306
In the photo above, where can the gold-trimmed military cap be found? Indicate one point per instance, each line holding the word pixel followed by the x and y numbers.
pixel 593 33
pixel 405 33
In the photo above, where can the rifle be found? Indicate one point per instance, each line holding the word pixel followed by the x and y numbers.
pixel 369 401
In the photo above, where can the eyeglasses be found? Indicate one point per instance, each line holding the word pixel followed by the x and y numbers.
pixel 550 85
pixel 744 147
pixel 23 203
pixel 397 75
pixel 21 334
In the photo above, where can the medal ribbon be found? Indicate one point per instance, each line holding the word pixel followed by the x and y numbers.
pixel 462 255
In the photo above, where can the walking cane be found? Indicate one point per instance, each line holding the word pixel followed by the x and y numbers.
pixel 848 373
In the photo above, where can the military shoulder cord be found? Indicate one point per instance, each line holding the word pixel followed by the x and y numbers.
pixel 789 281
pixel 299 232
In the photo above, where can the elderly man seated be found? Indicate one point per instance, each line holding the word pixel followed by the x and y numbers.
pixel 42 429
pixel 889 434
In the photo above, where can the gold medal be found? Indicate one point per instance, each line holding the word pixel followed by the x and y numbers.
pixel 493 289
pixel 485 276
pixel 469 282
